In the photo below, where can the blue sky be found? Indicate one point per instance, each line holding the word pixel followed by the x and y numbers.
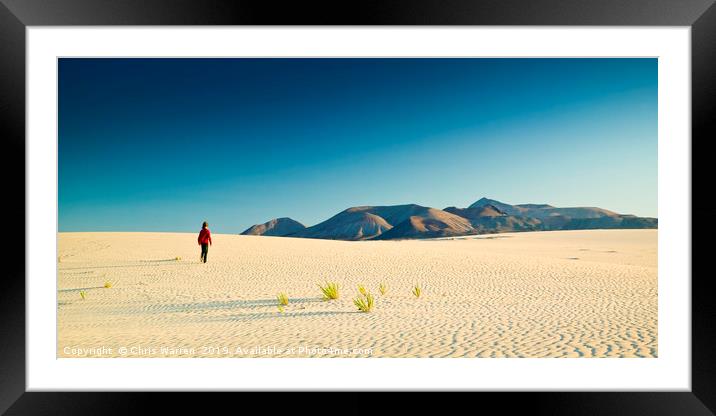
pixel 163 144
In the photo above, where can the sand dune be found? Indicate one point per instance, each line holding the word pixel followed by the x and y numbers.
pixel 543 294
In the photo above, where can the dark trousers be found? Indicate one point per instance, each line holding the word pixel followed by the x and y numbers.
pixel 204 252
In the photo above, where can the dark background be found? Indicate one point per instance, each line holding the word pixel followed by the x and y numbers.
pixel 16 14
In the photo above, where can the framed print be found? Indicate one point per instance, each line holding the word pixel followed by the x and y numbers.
pixel 431 197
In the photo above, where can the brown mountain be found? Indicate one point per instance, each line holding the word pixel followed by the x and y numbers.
pixel 544 210
pixel 505 208
pixel 352 224
pixel 476 212
pixel 372 222
pixel 488 218
pixel 526 217
pixel 429 224
pixel 619 221
pixel 276 227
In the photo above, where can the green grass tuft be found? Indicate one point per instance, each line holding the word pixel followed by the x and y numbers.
pixel 362 290
pixel 330 291
pixel 383 289
pixel 364 302
pixel 417 291
pixel 282 299
pixel 82 294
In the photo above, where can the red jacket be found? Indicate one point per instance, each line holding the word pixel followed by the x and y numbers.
pixel 205 236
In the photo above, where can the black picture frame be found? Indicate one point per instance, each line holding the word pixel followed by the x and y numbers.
pixel 16 15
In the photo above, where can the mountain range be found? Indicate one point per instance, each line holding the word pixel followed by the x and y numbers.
pixel 485 216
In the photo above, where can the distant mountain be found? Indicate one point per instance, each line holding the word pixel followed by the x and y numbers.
pixel 368 222
pixel 488 218
pixel 548 217
pixel 576 212
pixel 476 212
pixel 544 210
pixel 534 206
pixel 390 222
pixel 506 208
pixel 276 227
pixel 620 221
pixel 352 224
pixel 429 224
pixel 394 214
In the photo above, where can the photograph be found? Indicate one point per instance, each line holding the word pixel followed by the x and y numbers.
pixel 364 207
pixel 245 198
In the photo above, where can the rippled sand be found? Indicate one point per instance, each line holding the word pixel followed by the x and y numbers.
pixel 543 294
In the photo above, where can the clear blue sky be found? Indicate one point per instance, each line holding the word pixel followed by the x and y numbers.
pixel 163 144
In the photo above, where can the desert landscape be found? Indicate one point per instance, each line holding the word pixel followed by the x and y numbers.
pixel 567 293
pixel 358 207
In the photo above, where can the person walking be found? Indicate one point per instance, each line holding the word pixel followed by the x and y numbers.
pixel 204 241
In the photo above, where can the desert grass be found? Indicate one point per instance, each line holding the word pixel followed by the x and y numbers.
pixel 107 285
pixel 330 291
pixel 364 302
pixel 362 290
pixel 417 291
pixel 383 289
pixel 282 299
pixel 82 294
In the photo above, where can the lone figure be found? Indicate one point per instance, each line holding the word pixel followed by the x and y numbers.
pixel 204 241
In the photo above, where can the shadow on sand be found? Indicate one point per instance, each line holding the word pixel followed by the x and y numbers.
pixel 231 304
pixel 79 288
pixel 267 315
pixel 144 263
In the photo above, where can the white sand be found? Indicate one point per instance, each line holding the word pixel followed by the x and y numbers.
pixel 543 294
